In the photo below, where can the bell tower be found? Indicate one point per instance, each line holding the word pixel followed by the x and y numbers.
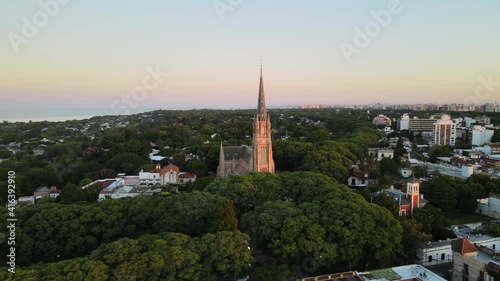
pixel 262 146
pixel 413 194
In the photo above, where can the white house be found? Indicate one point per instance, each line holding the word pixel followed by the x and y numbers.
pixel 381 153
pixel 489 206
pixel 167 174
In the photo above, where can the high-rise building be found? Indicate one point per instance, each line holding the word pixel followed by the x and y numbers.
pixel 241 160
pixel 445 131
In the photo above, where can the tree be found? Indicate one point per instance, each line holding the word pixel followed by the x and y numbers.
pixel 440 191
pixel 319 136
pixel 439 151
pixel 5 154
pixel 72 193
pixel 386 201
pixel 125 162
pixel 388 166
pixel 93 192
pixel 429 217
pixel 85 181
pixel 275 272
pixel 412 237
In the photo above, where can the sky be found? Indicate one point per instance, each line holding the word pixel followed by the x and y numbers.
pixel 124 56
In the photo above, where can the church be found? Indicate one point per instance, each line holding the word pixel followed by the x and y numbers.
pixel 241 160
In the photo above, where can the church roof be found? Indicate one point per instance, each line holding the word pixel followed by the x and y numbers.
pixel 237 153
pixel 397 195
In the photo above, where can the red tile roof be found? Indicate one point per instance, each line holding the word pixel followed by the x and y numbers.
pixel 463 246
pixel 187 175
pixel 168 168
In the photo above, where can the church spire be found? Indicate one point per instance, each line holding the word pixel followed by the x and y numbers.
pixel 261 106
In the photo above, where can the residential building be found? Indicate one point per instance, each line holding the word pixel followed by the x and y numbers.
pixel 481 135
pixel 357 178
pixel 382 120
pixel 187 177
pixel 412 272
pixel 405 172
pixel 470 262
pixel 240 160
pixel 404 122
pixel 415 124
pixel 160 176
pixel 492 149
pixel 45 192
pixel 439 252
pixel 445 131
pixel 489 206
pixel 38 151
pixel 380 153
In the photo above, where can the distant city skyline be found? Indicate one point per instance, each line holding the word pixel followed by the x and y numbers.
pixel 128 57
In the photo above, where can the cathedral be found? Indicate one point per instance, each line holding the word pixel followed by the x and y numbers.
pixel 241 160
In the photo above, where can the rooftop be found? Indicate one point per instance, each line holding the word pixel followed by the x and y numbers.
pixel 408 272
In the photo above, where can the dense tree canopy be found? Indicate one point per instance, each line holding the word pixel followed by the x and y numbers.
pixel 291 216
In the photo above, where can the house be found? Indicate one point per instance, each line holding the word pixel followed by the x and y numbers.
pixel 408 201
pixel 381 153
pixel 159 175
pixel 473 262
pixel 405 172
pixel 357 178
pixel 45 192
pixel 489 206
pixel 439 252
pixel 38 151
pixel 187 177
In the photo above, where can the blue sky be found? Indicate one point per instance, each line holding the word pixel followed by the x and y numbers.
pixel 93 53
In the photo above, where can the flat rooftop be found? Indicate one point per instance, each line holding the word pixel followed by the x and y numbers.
pixel 412 272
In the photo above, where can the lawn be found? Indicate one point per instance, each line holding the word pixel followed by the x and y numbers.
pixel 460 218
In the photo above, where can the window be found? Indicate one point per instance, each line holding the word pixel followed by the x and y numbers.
pixel 430 257
pixel 481 276
pixel 493 247
pixel 442 256
pixel 353 181
pixel 465 273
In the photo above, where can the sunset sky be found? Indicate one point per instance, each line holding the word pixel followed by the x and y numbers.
pixel 92 53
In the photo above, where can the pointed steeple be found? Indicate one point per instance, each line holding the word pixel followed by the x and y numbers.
pixel 261 106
